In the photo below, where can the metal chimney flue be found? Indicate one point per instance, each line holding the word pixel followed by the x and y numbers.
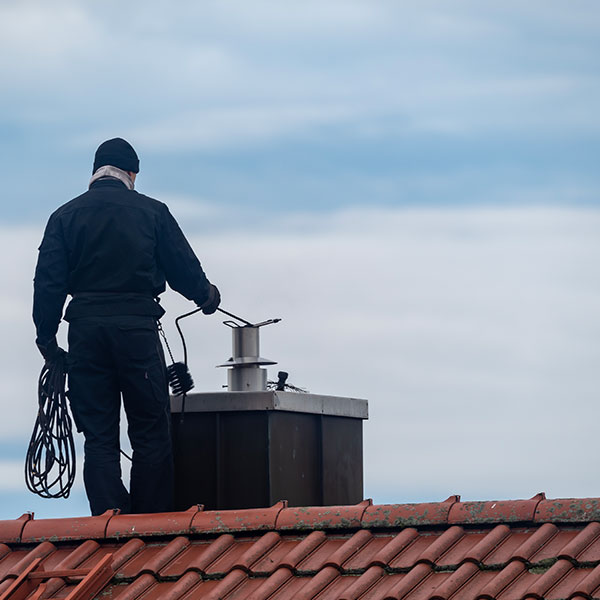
pixel 245 373
pixel 260 442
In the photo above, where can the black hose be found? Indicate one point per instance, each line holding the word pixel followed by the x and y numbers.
pixel 188 314
pixel 50 461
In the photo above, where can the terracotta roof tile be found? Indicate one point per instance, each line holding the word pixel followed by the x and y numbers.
pixel 500 511
pixel 588 584
pixel 277 556
pixel 363 584
pixel 10 531
pixel 323 517
pixel 230 558
pixel 57 530
pixel 581 541
pixel 502 580
pixel 212 553
pixel 568 510
pixel 125 526
pixel 407 515
pixel 251 519
pixel 349 548
pixel 316 560
pixel 448 551
pixel 271 585
pixel 381 550
pixel 302 549
pixel 410 581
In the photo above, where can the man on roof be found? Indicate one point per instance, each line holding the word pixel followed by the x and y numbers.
pixel 113 249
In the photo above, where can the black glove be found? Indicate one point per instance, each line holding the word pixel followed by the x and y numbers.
pixel 210 305
pixel 49 350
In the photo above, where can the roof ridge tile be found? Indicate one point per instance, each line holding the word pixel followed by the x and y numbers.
pixel 568 510
pixel 151 524
pixel 11 530
pixel 66 529
pixel 366 515
pixel 246 519
pixel 323 517
pixel 408 515
pixel 495 511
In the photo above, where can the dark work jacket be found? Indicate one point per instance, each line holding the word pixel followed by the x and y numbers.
pixel 112 249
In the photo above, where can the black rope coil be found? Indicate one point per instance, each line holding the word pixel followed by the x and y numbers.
pixel 50 461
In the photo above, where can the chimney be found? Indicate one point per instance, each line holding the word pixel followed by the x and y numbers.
pixel 251 446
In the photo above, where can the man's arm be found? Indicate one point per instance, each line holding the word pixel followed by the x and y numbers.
pixel 181 266
pixel 50 286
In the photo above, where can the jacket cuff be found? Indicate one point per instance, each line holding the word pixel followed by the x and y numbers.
pixel 47 348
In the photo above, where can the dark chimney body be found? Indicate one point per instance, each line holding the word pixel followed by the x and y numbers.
pixel 252 448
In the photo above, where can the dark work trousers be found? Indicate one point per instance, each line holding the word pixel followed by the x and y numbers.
pixel 110 357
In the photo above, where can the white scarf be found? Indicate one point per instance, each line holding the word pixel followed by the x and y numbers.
pixel 115 173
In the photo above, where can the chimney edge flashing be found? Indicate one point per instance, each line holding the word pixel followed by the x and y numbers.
pixel 272 400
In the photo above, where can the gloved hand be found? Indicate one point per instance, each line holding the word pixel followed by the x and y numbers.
pixel 50 350
pixel 210 305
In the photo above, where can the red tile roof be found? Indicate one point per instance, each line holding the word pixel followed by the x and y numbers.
pixel 506 550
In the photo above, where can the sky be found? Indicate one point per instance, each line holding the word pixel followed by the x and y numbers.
pixel 412 187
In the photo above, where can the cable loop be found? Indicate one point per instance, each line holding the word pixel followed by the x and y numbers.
pixel 50 461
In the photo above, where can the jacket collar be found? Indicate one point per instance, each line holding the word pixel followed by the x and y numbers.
pixel 113 173
pixel 107 182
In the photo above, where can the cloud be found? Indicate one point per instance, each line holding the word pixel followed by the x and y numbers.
pixel 221 75
pixel 11 475
pixel 472 332
pixel 216 128
pixel 453 323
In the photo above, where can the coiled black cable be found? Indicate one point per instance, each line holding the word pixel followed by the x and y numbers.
pixel 50 461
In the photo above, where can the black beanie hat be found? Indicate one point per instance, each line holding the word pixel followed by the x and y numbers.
pixel 118 153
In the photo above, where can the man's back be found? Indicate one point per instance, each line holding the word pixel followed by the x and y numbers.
pixel 113 250
pixel 112 237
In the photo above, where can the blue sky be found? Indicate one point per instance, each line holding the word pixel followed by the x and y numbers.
pixel 419 180
pixel 311 106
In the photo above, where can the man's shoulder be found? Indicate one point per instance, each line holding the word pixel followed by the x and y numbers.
pixel 68 206
pixel 149 201
pixel 127 197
